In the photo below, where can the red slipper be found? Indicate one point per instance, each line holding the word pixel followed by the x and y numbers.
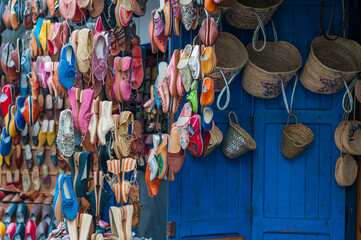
pixel 196 143
pixel 138 70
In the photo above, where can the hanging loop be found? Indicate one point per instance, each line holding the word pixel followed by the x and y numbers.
pixel 288 107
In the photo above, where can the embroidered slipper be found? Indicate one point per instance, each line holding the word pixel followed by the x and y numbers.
pixel 172 73
pixel 168 17
pixel 194 63
pixel 183 67
pixel 162 157
pixel 176 154
pixel 182 125
pixel 161 41
pixel 188 12
pixel 163 93
pixel 176 17
pixel 162 69
pixel 124 12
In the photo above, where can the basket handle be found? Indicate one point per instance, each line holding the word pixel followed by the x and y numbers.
pixel 345 15
pixel 226 90
pixel 230 119
pixel 288 108
pixel 348 94
pixel 291 115
pixel 261 26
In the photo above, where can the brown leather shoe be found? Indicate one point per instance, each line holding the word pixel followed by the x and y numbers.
pixel 8 198
pixel 17 199
pixel 49 200
pixel 40 199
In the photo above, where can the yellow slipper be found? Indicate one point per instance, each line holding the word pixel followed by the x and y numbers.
pixel 42 137
pixel 43 35
pixel 50 136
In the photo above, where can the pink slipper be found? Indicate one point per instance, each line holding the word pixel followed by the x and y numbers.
pixel 172 73
pixel 182 124
pixel 125 87
pixel 72 99
pixel 87 97
pixel 138 72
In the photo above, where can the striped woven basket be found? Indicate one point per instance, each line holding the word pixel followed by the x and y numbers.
pixel 243 13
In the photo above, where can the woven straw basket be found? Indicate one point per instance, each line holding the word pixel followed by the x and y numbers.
pixel 345 170
pixel 295 138
pixel 237 141
pixel 263 72
pixel 215 140
pixel 348 137
pixel 242 14
pixel 231 58
pixel 329 62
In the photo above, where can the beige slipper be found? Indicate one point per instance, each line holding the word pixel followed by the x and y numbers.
pixel 36 178
pixel 93 123
pixel 26 180
pixel 116 226
pixel 86 226
pixel 73 229
pixel 85 49
pixel 127 213
pixel 105 120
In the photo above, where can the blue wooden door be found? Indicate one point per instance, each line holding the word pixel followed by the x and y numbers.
pixel 211 196
pixel 299 198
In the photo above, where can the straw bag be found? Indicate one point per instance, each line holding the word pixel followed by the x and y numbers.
pixel 252 15
pixel 215 140
pixel 348 137
pixel 295 138
pixel 229 64
pixel 237 141
pixel 333 61
pixel 345 170
pixel 265 71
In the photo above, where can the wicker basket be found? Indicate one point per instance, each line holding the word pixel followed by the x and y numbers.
pixel 215 140
pixel 345 170
pixel 230 62
pixel 242 14
pixel 237 141
pixel 264 70
pixel 329 62
pixel 295 138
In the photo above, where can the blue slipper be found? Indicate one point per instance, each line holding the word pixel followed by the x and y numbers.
pixel 37 30
pixel 84 161
pixel 69 202
pixel 22 213
pixel 6 143
pixel 9 213
pixel 19 118
pixel 24 86
pixel 26 62
pixel 66 69
pixel 207 119
pixel 40 155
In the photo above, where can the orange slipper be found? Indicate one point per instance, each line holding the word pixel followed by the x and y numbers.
pixel 207 96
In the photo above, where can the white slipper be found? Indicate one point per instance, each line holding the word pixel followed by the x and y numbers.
pixel 93 123
pixel 194 63
pixel 73 229
pixel 184 58
pixel 105 120
pixel 162 69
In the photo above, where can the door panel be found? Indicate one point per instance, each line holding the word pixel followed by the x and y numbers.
pixel 298 198
pixel 211 196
